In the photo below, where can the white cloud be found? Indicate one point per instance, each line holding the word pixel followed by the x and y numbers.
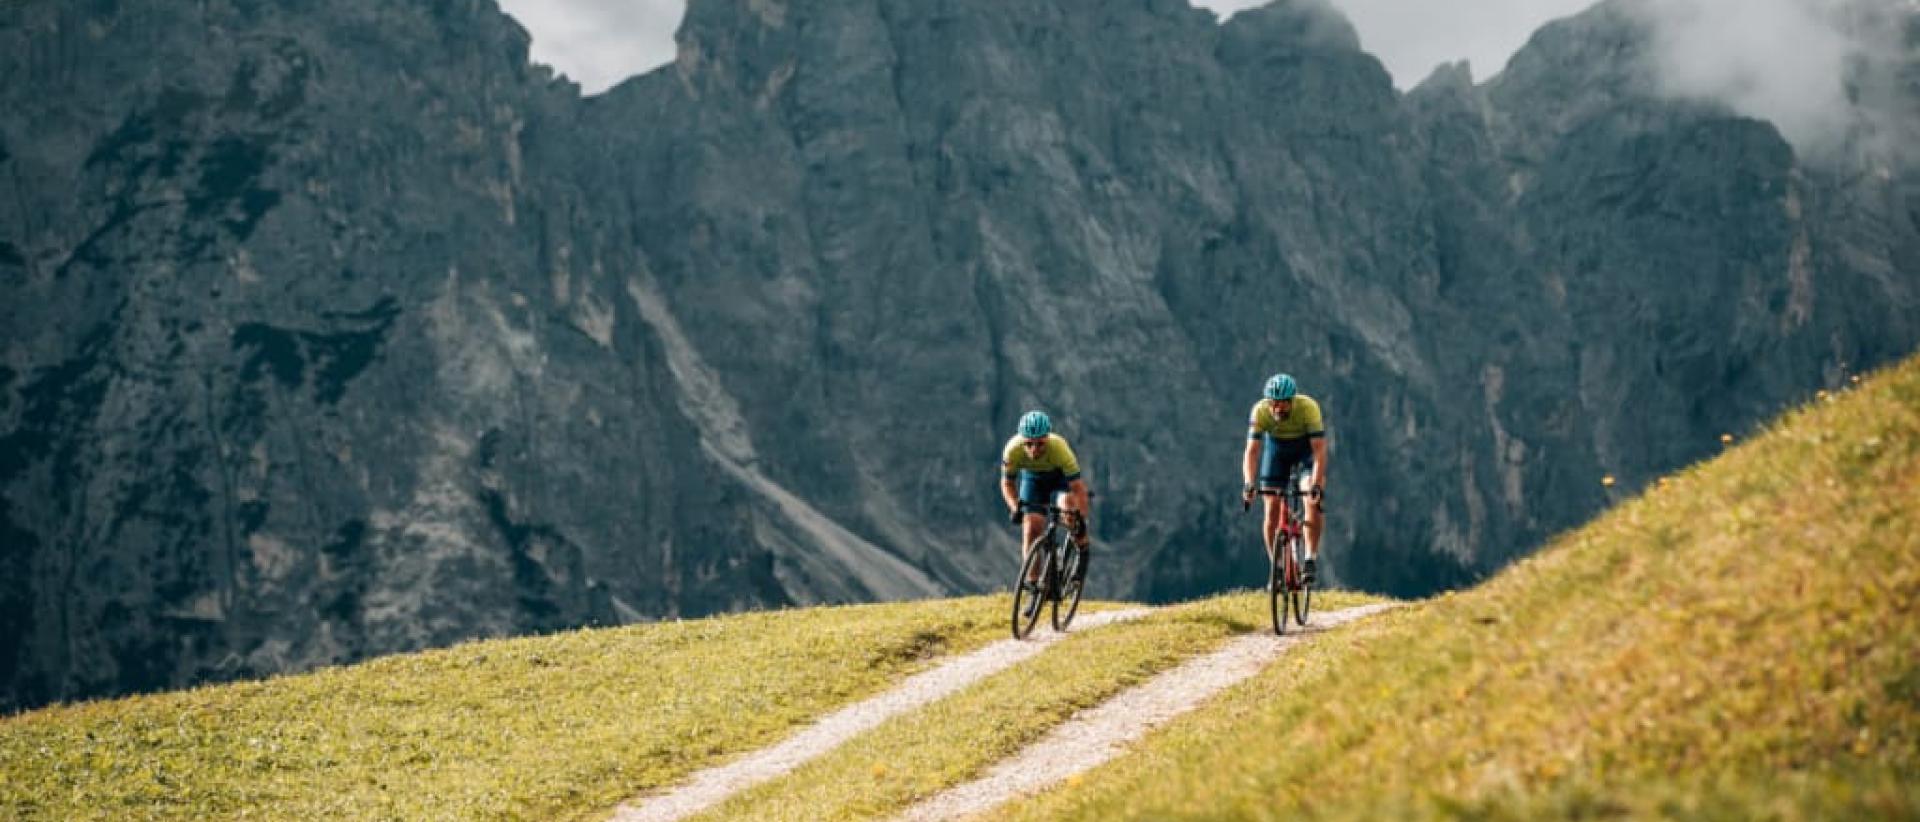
pixel 598 43
pixel 1784 61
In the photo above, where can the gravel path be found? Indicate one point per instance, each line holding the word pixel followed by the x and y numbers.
pixel 1102 732
pixel 710 786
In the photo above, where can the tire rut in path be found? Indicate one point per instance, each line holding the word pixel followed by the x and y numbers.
pixel 709 787
pixel 1102 732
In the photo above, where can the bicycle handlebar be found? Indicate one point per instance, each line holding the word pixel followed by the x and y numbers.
pixel 1051 510
pixel 1246 501
pixel 1020 510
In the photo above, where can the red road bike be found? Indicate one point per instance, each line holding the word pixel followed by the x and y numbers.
pixel 1288 587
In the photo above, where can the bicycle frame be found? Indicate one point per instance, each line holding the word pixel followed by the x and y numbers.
pixel 1054 538
pixel 1055 548
pixel 1292 531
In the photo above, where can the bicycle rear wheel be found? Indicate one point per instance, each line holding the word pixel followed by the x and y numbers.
pixel 1027 600
pixel 1073 578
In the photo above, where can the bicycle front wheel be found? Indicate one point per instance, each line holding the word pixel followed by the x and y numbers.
pixel 1277 590
pixel 1027 598
pixel 1303 589
pixel 1073 578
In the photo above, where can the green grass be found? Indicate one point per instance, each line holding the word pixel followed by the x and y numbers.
pixel 1741 641
pixel 560 726
pixel 914 756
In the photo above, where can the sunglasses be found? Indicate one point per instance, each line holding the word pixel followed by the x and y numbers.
pixel 1033 443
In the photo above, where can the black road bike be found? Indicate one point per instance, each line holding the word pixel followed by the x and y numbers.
pixel 1061 568
pixel 1288 587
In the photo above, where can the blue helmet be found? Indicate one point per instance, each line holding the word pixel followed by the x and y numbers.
pixel 1280 387
pixel 1034 425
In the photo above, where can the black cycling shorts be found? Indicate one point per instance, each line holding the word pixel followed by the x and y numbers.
pixel 1279 457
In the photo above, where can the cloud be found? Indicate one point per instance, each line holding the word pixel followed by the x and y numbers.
pixel 1826 73
pixel 1785 61
pixel 599 43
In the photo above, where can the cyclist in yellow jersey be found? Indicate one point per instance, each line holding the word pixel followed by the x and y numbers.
pixel 1285 429
pixel 1037 465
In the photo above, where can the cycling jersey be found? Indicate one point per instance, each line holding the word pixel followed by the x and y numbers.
pixel 1056 457
pixel 1302 420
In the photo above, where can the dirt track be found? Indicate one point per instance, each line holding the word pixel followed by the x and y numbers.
pixel 709 787
pixel 1088 739
pixel 1103 732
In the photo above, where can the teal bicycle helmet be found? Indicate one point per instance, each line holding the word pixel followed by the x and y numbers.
pixel 1034 425
pixel 1280 387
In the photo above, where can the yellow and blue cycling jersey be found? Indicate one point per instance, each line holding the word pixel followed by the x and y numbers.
pixel 1302 420
pixel 1056 457
pixel 1042 475
pixel 1288 440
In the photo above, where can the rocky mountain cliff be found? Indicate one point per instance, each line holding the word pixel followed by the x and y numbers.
pixel 338 329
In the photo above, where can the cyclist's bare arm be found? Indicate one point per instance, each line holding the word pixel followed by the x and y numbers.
pixel 1009 493
pixel 1252 461
pixel 1319 462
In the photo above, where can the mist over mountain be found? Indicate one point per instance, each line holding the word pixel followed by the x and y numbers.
pixel 339 329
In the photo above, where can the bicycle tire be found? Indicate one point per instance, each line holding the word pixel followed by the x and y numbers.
pixel 1303 590
pixel 1277 592
pixel 1030 601
pixel 1293 546
pixel 1070 587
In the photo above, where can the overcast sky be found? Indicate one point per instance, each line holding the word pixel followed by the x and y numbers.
pixel 600 42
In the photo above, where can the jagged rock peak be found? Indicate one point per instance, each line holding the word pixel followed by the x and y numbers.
pixel 1605 41
pixel 1448 78
pixel 1304 24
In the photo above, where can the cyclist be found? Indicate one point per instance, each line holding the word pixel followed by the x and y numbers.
pixel 1285 430
pixel 1037 465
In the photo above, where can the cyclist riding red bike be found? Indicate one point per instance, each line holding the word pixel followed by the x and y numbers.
pixel 1286 429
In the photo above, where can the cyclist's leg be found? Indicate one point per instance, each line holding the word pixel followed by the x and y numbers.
pixel 1316 518
pixel 1300 474
pixel 1075 501
pixel 1275 460
pixel 1035 491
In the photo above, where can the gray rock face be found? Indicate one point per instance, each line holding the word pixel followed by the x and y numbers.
pixel 340 330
